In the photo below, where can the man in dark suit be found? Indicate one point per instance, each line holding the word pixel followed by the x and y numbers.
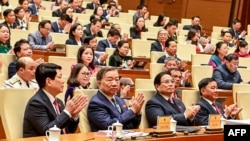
pixel 171 49
pixel 34 7
pixel 94 29
pixel 106 108
pixel 62 4
pixel 208 91
pixel 60 25
pixel 195 21
pixel 75 6
pixel 236 30
pixel 47 110
pixel 9 19
pixel 111 41
pixel 164 104
pixel 93 4
pixel 159 44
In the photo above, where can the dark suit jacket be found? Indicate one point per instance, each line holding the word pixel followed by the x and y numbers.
pixel 43 116
pixel 187 27
pixel 103 44
pixel 156 46
pixel 57 13
pixel 102 113
pixel 206 109
pixel 72 42
pixel 90 5
pixel 135 34
pixel 32 8
pixel 235 34
pixel 159 106
pixel 35 40
pixel 87 32
pixel 54 27
pixel 14 25
pixel 12 69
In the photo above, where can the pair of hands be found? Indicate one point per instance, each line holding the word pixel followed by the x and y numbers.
pixel 103 58
pixel 232 110
pixel 192 111
pixel 76 104
pixel 136 103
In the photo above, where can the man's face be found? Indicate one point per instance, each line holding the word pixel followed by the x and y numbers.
pixel 167 86
pixel 177 76
pixel 171 30
pixel 170 65
pixel 28 73
pixel 96 27
pixel 64 4
pixel 113 39
pixel 45 30
pixel 162 36
pixel 56 84
pixel 210 91
pixel 25 50
pixel 196 21
pixel 172 49
pixel 74 4
pixel 232 65
pixel 110 83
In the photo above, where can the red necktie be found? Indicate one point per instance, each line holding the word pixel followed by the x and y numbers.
pixel 57 106
pixel 217 109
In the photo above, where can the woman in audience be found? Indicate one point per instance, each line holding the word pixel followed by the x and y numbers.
pixel 139 26
pixel 159 44
pixel 120 56
pixel 242 49
pixel 218 57
pixel 193 38
pixel 75 35
pixel 161 21
pixel 25 5
pixel 5 46
pixel 79 78
pixel 69 12
pixel 85 55
pixel 98 11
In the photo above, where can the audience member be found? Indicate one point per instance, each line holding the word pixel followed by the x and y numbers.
pixel 5 46
pixel 161 20
pixel 120 56
pixel 75 6
pixel 142 11
pixel 218 57
pixel 159 44
pixel 236 30
pixel 111 41
pixel 171 28
pixel 25 74
pixel 242 49
pixel 41 39
pixel 58 12
pixel 209 105
pixel 47 110
pixel 34 7
pixel 62 25
pixel 123 36
pixel 227 74
pixel 138 27
pixel 93 4
pixel 22 18
pixel 79 78
pixel 106 108
pixel 164 104
pixel 227 38
pixel 94 29
pixel 9 18
pixel 75 35
pixel 193 39
pixel 195 21
pixel 25 5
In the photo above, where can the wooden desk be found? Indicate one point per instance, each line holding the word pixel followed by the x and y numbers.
pixel 144 59
pixel 95 136
pixel 45 54
pixel 34 19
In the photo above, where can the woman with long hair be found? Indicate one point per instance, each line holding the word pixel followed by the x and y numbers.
pixel 139 26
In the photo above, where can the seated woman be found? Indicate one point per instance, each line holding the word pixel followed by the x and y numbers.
pixel 193 38
pixel 85 55
pixel 218 57
pixel 69 12
pixel 120 58
pixel 161 21
pixel 98 12
pixel 242 49
pixel 139 26
pixel 75 35
pixel 79 78
pixel 5 46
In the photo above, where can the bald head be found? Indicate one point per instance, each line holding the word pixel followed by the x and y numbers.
pixel 25 68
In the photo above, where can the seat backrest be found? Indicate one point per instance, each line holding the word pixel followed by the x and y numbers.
pixel 244 62
pixel 13 103
pixel 183 32
pixel 148 35
pixel 59 38
pixel 141 48
pixel 243 102
pixel 2 79
pixel 65 62
pixel 185 21
pixel 153 29
pixel 144 84
pixel 109 51
pixel 52 19
pixel 16 34
pixel 83 121
pixel 218 28
pixel 148 94
pixel 6 59
pixel 198 59
pixel 71 50
pixel 239 87
pixel 155 55
pixel 93 83
pixel 190 97
pixel 244 73
pixel 32 26
pixel 200 72
pixel 155 68
pixel 44 13
pixel 184 51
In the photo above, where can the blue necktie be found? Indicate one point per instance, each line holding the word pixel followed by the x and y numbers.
pixel 43 41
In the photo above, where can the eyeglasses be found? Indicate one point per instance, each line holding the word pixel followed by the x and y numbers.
pixel 168 81
pixel 86 74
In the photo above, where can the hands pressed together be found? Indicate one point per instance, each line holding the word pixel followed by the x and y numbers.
pixel 136 103
pixel 192 111
pixel 232 110
pixel 76 104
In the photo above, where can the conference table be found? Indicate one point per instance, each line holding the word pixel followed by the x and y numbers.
pixel 101 136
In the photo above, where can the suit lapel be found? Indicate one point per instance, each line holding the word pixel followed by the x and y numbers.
pixel 166 104
pixel 210 107
pixel 47 101
pixel 109 104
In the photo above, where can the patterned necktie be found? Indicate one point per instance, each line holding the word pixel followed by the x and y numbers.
pixel 116 105
pixel 217 109
pixel 57 107
pixel 43 41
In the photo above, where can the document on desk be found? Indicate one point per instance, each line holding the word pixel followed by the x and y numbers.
pixel 238 122
pixel 125 133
